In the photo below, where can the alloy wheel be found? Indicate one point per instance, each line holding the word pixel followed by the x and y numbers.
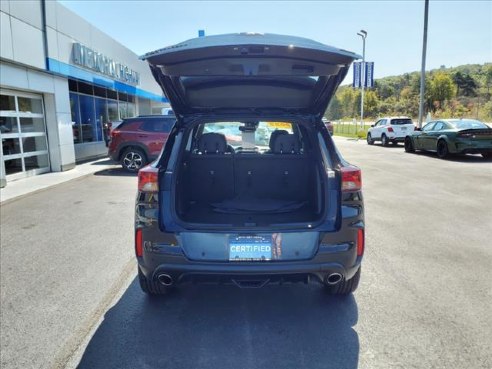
pixel 133 161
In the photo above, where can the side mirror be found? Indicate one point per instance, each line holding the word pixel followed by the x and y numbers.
pixel 418 129
pixel 372 125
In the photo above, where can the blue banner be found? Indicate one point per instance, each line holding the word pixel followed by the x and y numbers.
pixel 369 75
pixel 357 75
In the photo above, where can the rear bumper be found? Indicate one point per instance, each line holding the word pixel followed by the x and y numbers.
pixel 475 150
pixel 340 259
pixel 399 139
pixel 396 138
pixel 473 147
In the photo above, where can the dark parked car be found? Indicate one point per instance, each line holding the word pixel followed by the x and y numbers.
pixel 452 136
pixel 137 141
pixel 329 125
pixel 249 188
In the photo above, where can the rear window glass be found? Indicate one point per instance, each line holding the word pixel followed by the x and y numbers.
pixel 158 125
pixel 399 122
pixel 237 136
pixel 468 124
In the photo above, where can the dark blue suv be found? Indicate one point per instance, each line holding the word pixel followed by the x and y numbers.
pixel 249 188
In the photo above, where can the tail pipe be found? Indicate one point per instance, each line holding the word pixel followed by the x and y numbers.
pixel 165 279
pixel 333 279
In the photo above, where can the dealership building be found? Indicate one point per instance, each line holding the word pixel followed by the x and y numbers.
pixel 62 82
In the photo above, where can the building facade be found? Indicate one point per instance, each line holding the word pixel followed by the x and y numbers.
pixel 62 83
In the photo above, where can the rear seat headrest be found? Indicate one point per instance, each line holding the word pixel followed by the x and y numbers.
pixel 275 134
pixel 286 144
pixel 212 143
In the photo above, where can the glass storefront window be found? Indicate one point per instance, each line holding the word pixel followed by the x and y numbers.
pixel 11 146
pixel 36 143
pixel 8 125
pixel 36 162
pixel 87 127
pixel 13 166
pixel 123 109
pixel 113 110
pixel 28 105
pixel 7 103
pixel 74 107
pixel 131 110
pixel 101 117
pixel 32 125
pixel 94 107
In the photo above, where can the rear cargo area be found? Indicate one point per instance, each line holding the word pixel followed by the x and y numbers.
pixel 249 189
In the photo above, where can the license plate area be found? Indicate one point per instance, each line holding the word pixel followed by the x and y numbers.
pixel 250 248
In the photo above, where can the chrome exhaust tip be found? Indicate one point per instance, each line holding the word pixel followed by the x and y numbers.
pixel 333 278
pixel 165 279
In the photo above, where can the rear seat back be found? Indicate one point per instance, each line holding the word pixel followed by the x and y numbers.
pixel 211 174
pixel 286 144
pixel 285 174
pixel 215 175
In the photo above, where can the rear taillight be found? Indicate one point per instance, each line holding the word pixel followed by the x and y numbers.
pixel 360 242
pixel 390 129
pixel 138 243
pixel 465 135
pixel 351 179
pixel 148 179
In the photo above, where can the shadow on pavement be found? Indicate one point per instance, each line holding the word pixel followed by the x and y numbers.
pixel 455 158
pixel 118 171
pixel 290 326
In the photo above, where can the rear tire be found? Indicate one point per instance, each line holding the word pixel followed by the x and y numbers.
pixel 133 159
pixel 442 149
pixel 152 288
pixel 409 145
pixel 345 287
pixel 369 139
pixel 384 140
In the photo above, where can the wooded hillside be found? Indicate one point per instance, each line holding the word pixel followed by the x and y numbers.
pixel 459 92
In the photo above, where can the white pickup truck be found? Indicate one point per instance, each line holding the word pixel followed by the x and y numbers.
pixel 390 129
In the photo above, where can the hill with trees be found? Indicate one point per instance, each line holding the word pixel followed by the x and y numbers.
pixel 458 92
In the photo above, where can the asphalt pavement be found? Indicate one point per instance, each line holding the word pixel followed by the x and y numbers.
pixel 70 296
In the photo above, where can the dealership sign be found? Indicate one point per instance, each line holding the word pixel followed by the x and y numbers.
pixel 90 59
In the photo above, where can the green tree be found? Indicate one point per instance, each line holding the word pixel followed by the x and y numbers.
pixel 459 80
pixel 371 104
pixel 334 111
pixel 348 99
pixel 488 77
pixel 441 89
pixel 469 86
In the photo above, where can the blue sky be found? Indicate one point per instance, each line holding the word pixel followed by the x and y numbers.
pixel 460 32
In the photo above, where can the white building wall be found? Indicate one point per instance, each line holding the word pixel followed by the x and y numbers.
pixel 65 27
pixel 23 67
pixel 22 34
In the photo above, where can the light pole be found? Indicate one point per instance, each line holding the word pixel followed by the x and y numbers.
pixel 362 34
pixel 422 70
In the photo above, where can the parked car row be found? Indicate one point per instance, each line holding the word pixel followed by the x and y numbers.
pixel 444 136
